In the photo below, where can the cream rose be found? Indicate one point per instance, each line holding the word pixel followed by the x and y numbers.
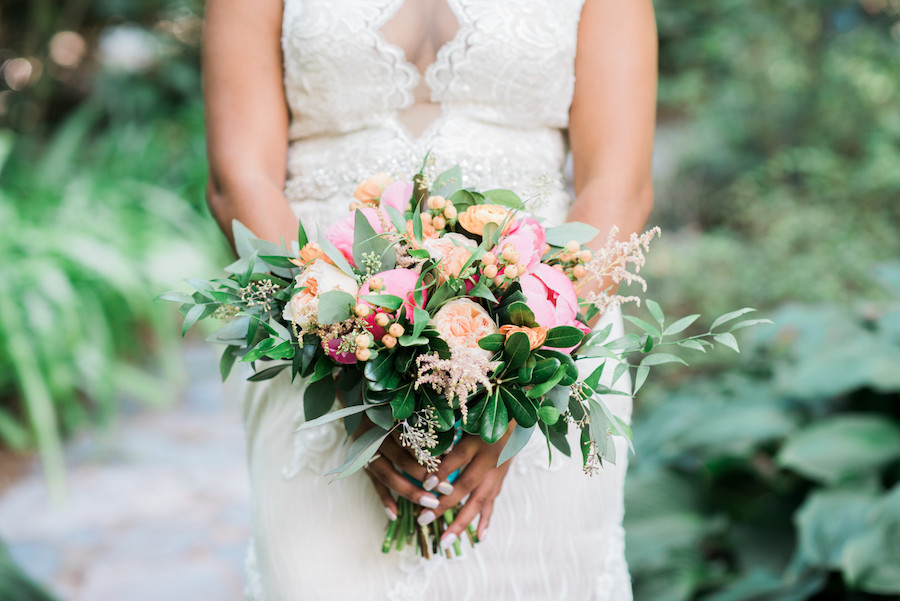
pixel 452 251
pixel 318 278
pixel 462 323
pixel 476 217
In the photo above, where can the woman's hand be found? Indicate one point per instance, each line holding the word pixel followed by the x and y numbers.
pixel 481 479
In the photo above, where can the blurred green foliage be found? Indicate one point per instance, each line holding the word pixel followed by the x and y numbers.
pixel 101 208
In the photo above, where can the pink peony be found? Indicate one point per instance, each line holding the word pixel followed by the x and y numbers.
pixel 397 195
pixel 398 282
pixel 528 238
pixel 551 297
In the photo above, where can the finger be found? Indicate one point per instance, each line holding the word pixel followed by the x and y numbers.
pixel 459 457
pixel 390 506
pixel 403 460
pixel 485 520
pixel 472 508
pixel 384 470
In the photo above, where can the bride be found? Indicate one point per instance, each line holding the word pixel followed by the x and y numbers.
pixel 305 99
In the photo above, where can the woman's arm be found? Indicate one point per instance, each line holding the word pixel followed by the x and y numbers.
pixel 246 117
pixel 613 116
pixel 611 133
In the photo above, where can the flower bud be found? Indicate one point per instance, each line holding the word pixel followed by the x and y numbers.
pixel 558 267
pixel 439 223
pixel 450 212
pixel 488 259
pixel 388 341
pixel 498 281
pixel 376 283
pixel 362 310
pixel 511 272
pixel 436 202
pixel 573 246
pixel 426 218
pixel 585 256
pixel 490 271
pixel 579 271
pixel 396 330
pixel 382 319
pixel 363 341
pixel 363 354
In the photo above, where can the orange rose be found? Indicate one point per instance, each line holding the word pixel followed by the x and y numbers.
pixel 462 323
pixel 536 336
pixel 370 190
pixel 452 251
pixel 475 217
pixel 428 232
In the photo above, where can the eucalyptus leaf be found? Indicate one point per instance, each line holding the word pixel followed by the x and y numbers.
pixel 516 442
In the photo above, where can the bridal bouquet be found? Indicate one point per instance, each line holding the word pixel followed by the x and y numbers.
pixel 435 311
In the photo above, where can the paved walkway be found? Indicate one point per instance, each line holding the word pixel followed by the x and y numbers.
pixel 156 509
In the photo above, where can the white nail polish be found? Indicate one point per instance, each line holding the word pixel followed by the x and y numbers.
pixel 429 501
pixel 430 482
pixel 390 514
pixel 426 517
pixel 481 536
pixel 448 541
pixel 445 488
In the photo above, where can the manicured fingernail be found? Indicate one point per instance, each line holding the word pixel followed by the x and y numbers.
pixel 430 482
pixel 391 514
pixel 426 517
pixel 448 541
pixel 429 501
pixel 481 535
pixel 445 488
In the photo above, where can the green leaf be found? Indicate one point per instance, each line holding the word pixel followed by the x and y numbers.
pixel 489 235
pixel 842 447
pixel 318 398
pixel 385 301
pixel 335 306
pixel 404 403
pixel 359 453
pixel 544 370
pixel 232 332
pixel 448 183
pixel 268 373
pixel 656 311
pixel 539 390
pixel 302 238
pixel 729 316
pixel 548 414
pixel 495 421
pixel 226 363
pixel 278 261
pixel 521 315
pixel 521 408
pixel 381 415
pixel 644 325
pixel 747 323
pixel 482 291
pixel 563 337
pixel 580 232
pixel 336 256
pixel 421 321
pixel 516 442
pixel 693 345
pixel 640 376
pixel 396 218
pixel 505 198
pixel 516 350
pixel 492 342
pixel 827 521
pixel 728 340
pixel 367 241
pixel 660 359
pixel 193 314
pixel 176 297
pixel 681 325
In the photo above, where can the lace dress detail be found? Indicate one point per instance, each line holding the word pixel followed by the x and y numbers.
pixel 504 85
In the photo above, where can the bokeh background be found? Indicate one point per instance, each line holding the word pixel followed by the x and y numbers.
pixel 766 476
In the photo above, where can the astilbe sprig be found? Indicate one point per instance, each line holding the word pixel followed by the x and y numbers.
pixel 457 377
pixel 611 263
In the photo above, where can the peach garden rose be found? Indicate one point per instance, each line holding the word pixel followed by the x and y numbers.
pixel 476 217
pixel 462 323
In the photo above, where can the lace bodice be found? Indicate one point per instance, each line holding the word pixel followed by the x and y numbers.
pixel 504 84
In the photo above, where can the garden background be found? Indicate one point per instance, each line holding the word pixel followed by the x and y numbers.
pixel 766 476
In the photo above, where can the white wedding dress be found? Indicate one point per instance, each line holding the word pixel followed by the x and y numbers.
pixel 503 85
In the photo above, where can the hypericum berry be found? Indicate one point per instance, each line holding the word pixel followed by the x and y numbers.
pixel 362 310
pixel 450 212
pixel 436 202
pixel 521 268
pixel 511 272
pixel 509 253
pixel 573 246
pixel 363 354
pixel 490 271
pixel 363 341
pixel 427 218
pixel 376 283
pixel 396 330
pixel 488 259
pixel 388 341
pixel 585 256
pixel 558 267
pixel 498 281
pixel 579 271
pixel 566 257
pixel 382 319
pixel 439 223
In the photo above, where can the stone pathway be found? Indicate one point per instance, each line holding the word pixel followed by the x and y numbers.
pixel 157 508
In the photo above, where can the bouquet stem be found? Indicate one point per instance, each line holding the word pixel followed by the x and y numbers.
pixel 405 530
